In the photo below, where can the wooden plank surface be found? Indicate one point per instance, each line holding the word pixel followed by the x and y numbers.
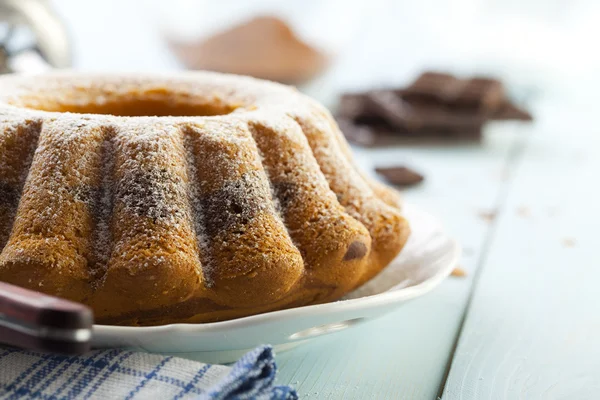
pixel 533 318
pixel 405 355
pixel 533 323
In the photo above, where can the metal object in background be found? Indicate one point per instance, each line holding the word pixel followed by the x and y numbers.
pixel 32 37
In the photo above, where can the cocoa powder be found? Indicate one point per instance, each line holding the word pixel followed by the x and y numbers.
pixel 264 47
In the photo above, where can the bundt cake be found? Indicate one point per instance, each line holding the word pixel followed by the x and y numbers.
pixel 188 198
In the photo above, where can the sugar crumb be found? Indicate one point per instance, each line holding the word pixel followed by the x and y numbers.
pixel 487 216
pixel 523 212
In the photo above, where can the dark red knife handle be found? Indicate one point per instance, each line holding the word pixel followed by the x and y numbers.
pixel 25 341
pixel 39 311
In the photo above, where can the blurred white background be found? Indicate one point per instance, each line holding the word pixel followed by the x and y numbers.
pixel 533 43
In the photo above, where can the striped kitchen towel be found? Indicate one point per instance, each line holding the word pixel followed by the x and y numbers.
pixel 123 374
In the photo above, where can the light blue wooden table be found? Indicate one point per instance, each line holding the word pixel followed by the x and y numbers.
pixel 525 321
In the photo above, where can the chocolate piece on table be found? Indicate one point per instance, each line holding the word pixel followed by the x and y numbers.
pixel 374 131
pixel 435 116
pixel 353 105
pixel 417 116
pixel 486 94
pixel 386 137
pixel 435 86
pixel 385 108
pixel 479 93
pixel 382 135
pixel 509 111
pixel 437 106
pixel 391 108
pixel 468 133
pixel 359 134
pixel 400 175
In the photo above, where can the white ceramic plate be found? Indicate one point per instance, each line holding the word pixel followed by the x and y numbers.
pixel 428 257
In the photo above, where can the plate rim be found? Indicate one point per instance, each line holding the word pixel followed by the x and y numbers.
pixel 366 302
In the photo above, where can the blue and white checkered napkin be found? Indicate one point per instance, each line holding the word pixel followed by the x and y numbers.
pixel 122 374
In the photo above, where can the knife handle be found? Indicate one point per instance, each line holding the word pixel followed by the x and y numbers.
pixel 34 320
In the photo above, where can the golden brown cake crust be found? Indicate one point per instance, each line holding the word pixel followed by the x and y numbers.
pixel 188 198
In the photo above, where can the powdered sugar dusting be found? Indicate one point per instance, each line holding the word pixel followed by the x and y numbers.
pixel 103 207
pixel 165 194
pixel 146 184
pixel 197 215
pixel 226 189
pixel 18 140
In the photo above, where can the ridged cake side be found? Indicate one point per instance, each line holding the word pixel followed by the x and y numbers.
pixel 153 220
pixel 18 141
pixel 388 229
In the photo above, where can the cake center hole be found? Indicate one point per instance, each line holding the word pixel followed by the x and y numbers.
pixel 161 104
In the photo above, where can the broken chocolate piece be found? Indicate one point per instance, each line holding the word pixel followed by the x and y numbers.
pixel 384 110
pixel 359 134
pixel 484 93
pixel 400 175
pixel 353 105
pixel 433 116
pixel 479 93
pixel 434 86
pixel 391 108
pixel 509 111
pixel 356 250
pixel 436 106
pixel 373 134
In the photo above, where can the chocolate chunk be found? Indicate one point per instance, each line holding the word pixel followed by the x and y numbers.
pixel 374 133
pixel 483 93
pixel 479 93
pixel 385 111
pixel 418 116
pixel 432 116
pixel 355 251
pixel 353 105
pixel 400 175
pixel 359 134
pixel 434 86
pixel 509 111
pixel 391 108
pixel 436 106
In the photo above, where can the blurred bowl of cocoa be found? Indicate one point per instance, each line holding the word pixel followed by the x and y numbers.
pixel 284 41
